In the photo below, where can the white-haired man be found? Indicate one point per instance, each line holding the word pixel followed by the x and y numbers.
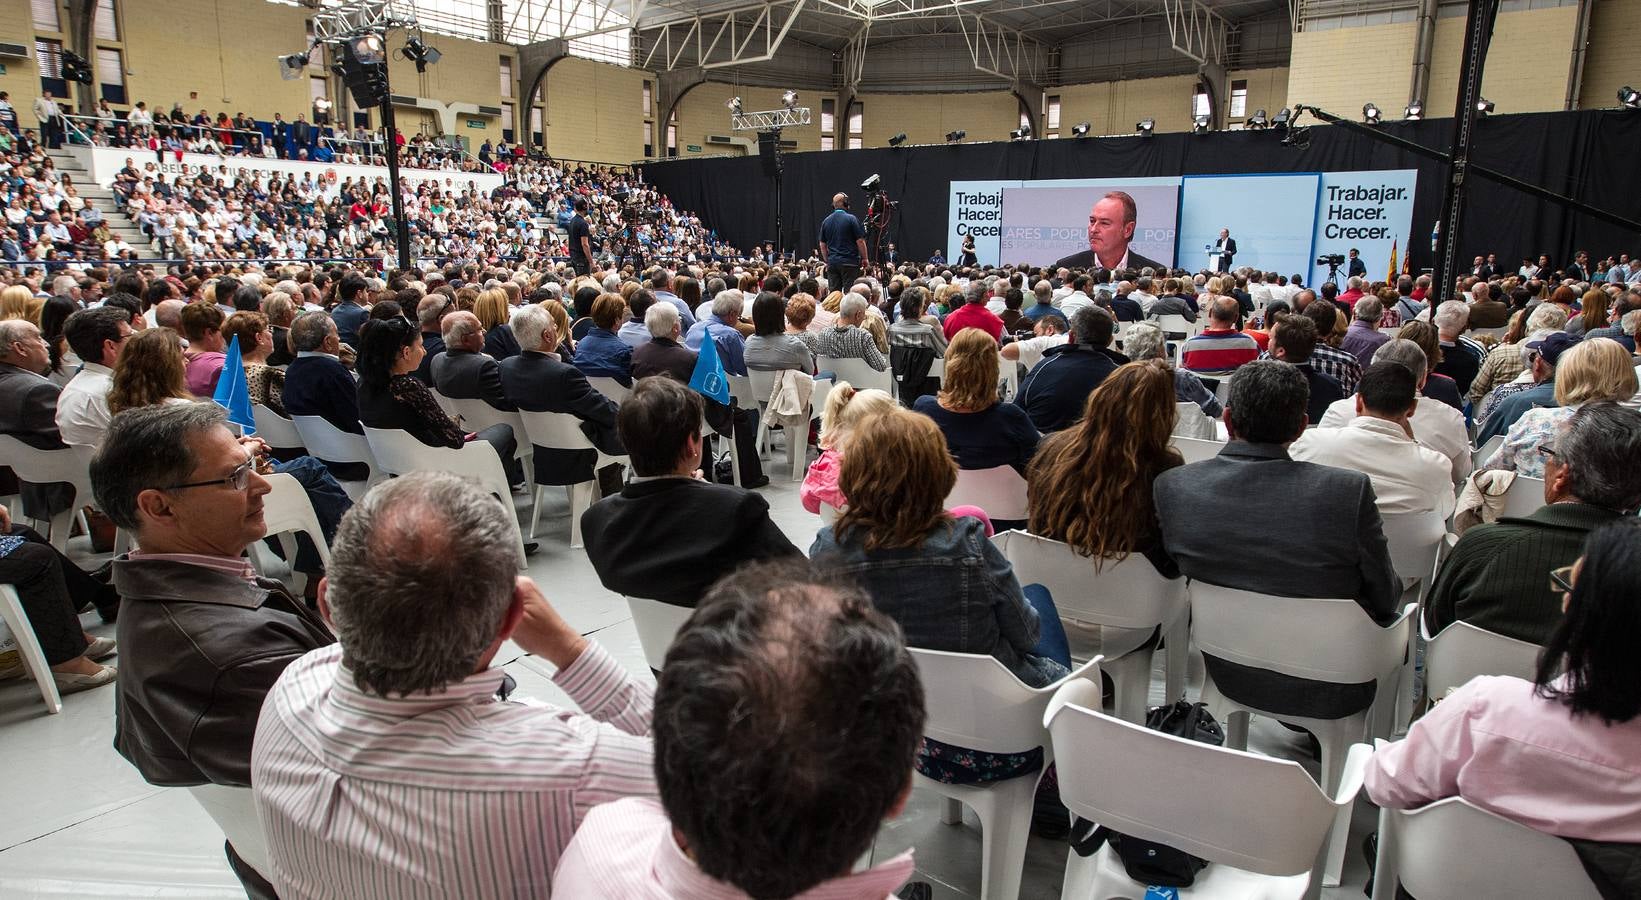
pixel 1461 356
pixel 847 339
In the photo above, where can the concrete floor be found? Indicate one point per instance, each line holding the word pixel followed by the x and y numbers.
pixel 80 823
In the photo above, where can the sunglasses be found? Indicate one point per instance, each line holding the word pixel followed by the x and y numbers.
pixel 1562 579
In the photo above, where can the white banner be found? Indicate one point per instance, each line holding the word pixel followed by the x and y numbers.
pixel 104 162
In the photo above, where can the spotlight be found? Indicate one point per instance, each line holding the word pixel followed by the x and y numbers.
pixel 1021 133
pixel 367 48
pixel 872 183
pixel 290 67
pixel 421 53
pixel 953 137
pixel 1081 129
pixel 898 139
pixel 1629 97
pixel 1201 125
pixel 734 105
pixel 1259 120
pixel 1146 127
pixel 1484 106
pixel 790 99
pixel 1371 114
pixel 75 67
pixel 1283 117
pixel 1413 112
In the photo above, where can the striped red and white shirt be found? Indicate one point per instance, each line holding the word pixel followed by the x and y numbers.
pixel 450 794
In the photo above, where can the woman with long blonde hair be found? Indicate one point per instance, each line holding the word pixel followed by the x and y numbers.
pixel 17 302
pixel 561 324
pixel 493 311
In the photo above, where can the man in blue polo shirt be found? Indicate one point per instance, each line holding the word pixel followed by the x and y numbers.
pixel 843 244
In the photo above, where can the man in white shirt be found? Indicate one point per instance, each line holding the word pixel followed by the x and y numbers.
pixel 1142 293
pixel 1078 298
pixel 1050 332
pixel 96 336
pixel 1435 425
pixel 1378 442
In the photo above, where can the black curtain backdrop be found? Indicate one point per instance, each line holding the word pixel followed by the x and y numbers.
pixel 1588 155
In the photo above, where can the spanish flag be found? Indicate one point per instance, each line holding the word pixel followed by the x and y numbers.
pixel 1393 270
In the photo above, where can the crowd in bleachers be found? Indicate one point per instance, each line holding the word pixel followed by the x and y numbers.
pixel 1235 431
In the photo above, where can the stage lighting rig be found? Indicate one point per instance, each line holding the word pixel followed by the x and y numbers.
pixel 734 105
pixel 1081 129
pixel 420 53
pixel 790 115
pixel 290 67
pixel 1021 133
pixel 1413 112
pixel 953 137
pixel 1259 121
pixel 75 68
pixel 1201 125
pixel 789 99
pixel 872 183
pixel 1146 127
pixel 898 139
pixel 1283 117
pixel 368 48
pixel 1371 114
pixel 1629 97
pixel 1483 106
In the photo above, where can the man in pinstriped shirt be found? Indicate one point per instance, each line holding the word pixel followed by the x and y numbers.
pixel 388 766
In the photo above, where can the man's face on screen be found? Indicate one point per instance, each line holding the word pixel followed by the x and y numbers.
pixel 1108 234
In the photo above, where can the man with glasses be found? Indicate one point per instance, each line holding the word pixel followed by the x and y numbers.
pixel 202 637
pixel 1497 577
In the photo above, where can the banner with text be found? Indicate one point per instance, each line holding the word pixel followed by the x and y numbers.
pixel 1364 211
pixel 104 162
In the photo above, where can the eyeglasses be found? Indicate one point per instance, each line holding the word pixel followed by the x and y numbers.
pixel 1548 450
pixel 1562 579
pixel 238 479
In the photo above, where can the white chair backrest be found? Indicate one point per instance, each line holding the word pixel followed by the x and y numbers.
pixel 1414 539
pixel 1525 497
pixel 973 701
pixel 1174 323
pixel 857 373
pixel 274 428
pixel 1008 377
pixel 740 390
pixel 1234 808
pixel 477 415
pixel 1462 651
pixel 657 624
pixel 556 431
pixel 761 383
pixel 286 508
pixel 1000 491
pixel 1320 639
pixel 1487 449
pixel 326 441
pixel 829 513
pixel 445 403
pixel 1195 450
pixel 1191 422
pixel 71 465
pixel 1451 849
pixel 400 453
pixel 1126 594
pixel 234 811
pixel 610 388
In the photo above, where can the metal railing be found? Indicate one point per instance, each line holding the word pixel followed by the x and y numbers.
pixel 91 124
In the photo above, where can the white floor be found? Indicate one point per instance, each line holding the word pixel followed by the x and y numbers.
pixel 76 821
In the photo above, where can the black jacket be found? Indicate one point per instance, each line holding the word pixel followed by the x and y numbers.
pixel 536 382
pixel 669 539
pixel 432 345
pixel 663 356
pixel 199 651
pixel 465 375
pixel 321 386
pixel 1056 389
pixel 1087 260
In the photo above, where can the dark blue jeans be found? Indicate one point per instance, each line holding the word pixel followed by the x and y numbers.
pixel 1051 641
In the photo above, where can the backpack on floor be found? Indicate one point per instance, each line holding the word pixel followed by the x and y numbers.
pixel 1149 862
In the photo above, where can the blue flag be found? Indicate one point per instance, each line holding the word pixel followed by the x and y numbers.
pixel 709 379
pixel 232 393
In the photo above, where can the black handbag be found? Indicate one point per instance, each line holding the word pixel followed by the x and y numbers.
pixel 1149 862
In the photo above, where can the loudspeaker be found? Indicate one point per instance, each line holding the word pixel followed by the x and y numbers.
pixel 769 151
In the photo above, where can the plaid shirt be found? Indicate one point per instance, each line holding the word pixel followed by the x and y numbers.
pixel 1335 363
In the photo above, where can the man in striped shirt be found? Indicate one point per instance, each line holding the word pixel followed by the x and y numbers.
pixel 1222 346
pixel 389 766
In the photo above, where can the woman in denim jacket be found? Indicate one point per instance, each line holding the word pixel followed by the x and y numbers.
pixel 937 575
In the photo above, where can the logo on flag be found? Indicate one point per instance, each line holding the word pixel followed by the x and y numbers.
pixel 709 378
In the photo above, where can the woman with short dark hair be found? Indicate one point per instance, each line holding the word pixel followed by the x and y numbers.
pixel 770 348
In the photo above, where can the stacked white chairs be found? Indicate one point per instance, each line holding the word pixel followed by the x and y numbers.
pixel 562 431
pixel 331 444
pixel 287 510
pixel 1191 422
pixel 401 453
pixel 28 647
pixel 1000 491
pixel 234 811
pixel 657 624
pixel 1462 651
pixel 1127 601
pixel 70 465
pixel 1454 850
pixel 973 701
pixel 279 432
pixel 477 415
pixel 1329 640
pixel 1195 449
pixel 1525 496
pixel 1261 823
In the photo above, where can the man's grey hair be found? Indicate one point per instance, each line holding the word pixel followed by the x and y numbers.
pixel 1599 447
pixel 12 330
pixel 430 309
pixel 288 287
pixel 529 321
pixel 727 304
pixel 1225 310
pixel 1630 324
pixel 1369 309
pixel 420 580
pixel 715 286
pixel 612 283
pixel 309 331
pixel 853 306
pixel 661 319
pixel 279 308
pixel 1406 352
pixel 1043 291
pixel 1143 283
pixel 62 284
pixel 1142 341
pixel 457 328
pixel 1451 316
pixel 975 291
pixel 148 448
pixel 1353 283
pixel 1546 317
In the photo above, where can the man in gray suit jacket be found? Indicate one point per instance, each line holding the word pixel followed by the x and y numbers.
pixel 1256 520
pixel 28 408
pixel 463 371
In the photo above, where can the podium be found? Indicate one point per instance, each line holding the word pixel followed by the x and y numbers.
pixel 1213 259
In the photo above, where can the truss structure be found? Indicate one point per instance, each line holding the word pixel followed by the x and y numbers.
pixel 589 18
pixel 769 120
pixel 1007 53
pixel 335 23
pixel 728 37
pixel 1197 31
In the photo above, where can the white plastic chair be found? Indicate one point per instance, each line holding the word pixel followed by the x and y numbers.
pixel 857 373
pixel 1008 377
pixel 1486 450
pixel 28 648
pixel 829 513
pixel 1262 823
pixel 331 444
pixel 1462 651
pixel 234 811
pixel 562 431
pixel 734 451
pixel 973 701
pixel 278 431
pixel 70 465
pixel 762 386
pixel 1126 601
pixel 477 415
pixel 1191 422
pixel 1329 640
pixel 400 453
pixel 1195 450
pixel 657 624
pixel 286 509
pixel 1174 323
pixel 445 403
pixel 1000 491
pixel 610 388
pixel 1414 539
pixel 1525 496
pixel 1454 850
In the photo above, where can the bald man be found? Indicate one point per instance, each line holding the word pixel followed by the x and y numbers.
pixel 842 243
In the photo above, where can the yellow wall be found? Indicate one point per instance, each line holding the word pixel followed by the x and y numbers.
pixel 1342 68
pixel 926 118
pixel 22 79
pixel 703 111
pixel 595 112
pixel 469 72
pixel 1610 62
pixel 222 51
pixel 1112 107
pixel 1267 89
